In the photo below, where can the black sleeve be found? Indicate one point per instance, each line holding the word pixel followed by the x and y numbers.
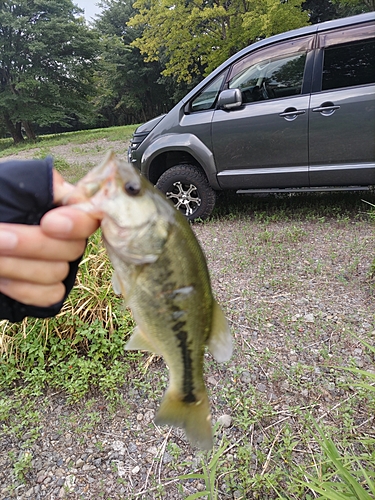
pixel 26 194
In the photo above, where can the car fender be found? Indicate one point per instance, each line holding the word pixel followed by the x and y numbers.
pixel 182 142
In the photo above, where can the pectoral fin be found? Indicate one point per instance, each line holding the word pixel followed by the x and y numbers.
pixel 220 340
pixel 116 284
pixel 139 342
pixel 125 286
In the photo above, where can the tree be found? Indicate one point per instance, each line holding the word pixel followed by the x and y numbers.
pixel 194 37
pixel 325 10
pixel 352 7
pixel 130 89
pixel 47 54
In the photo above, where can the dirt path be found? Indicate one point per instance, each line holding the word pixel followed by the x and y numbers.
pixel 74 160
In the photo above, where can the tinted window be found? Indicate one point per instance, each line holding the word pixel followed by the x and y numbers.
pixel 271 78
pixel 349 64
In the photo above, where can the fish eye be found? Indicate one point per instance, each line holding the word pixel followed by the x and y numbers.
pixel 132 189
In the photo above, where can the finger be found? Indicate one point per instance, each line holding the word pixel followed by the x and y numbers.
pixel 68 223
pixel 19 240
pixel 33 294
pixel 61 188
pixel 33 271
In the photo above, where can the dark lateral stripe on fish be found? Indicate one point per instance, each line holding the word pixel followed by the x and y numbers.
pixel 188 386
pixel 177 327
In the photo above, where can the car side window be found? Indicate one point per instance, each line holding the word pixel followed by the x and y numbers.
pixel 207 97
pixel 349 64
pixel 272 72
pixel 271 78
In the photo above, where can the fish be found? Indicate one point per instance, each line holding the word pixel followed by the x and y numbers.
pixel 161 271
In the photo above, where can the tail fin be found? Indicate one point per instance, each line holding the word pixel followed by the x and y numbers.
pixel 194 418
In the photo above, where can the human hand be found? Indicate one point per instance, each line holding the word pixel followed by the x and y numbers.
pixel 34 260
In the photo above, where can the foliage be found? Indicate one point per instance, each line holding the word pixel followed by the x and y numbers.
pixel 209 474
pixel 324 10
pixel 320 10
pixel 135 61
pixel 46 63
pixel 128 88
pixel 21 465
pixel 352 7
pixel 193 38
pixel 345 476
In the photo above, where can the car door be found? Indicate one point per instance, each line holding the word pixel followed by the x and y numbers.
pixel 264 143
pixel 342 108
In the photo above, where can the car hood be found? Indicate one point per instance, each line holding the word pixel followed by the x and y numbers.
pixel 148 126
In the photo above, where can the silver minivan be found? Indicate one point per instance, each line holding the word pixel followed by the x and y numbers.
pixel 292 112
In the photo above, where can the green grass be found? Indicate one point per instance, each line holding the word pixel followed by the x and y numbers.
pixel 74 153
pixel 342 475
pixel 315 207
pixel 7 146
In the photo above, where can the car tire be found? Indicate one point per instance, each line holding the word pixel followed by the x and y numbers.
pixel 188 189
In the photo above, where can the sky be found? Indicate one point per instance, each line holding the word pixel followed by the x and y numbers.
pixel 89 7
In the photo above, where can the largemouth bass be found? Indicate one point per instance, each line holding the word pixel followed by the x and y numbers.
pixel 162 273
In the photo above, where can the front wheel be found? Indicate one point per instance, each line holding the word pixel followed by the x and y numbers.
pixel 188 189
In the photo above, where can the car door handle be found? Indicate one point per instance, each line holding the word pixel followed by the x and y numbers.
pixel 291 114
pixel 326 109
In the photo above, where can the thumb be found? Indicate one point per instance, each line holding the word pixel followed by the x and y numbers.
pixel 61 188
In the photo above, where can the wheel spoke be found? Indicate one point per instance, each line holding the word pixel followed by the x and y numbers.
pixel 180 188
pixel 178 204
pixel 190 190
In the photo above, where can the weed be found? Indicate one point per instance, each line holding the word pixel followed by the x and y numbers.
pixel 21 465
pixel 315 207
pixel 174 450
pixel 210 467
pixel 343 476
pixel 20 417
pixel 99 445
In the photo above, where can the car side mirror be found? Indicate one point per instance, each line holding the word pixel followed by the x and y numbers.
pixel 230 99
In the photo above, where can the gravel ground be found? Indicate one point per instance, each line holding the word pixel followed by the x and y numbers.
pixel 294 293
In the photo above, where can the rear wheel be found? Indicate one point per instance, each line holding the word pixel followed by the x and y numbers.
pixel 188 189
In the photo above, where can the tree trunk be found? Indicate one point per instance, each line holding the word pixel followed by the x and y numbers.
pixel 15 130
pixel 29 130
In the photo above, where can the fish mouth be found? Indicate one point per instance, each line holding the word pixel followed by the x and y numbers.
pixel 124 231
pixel 124 241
